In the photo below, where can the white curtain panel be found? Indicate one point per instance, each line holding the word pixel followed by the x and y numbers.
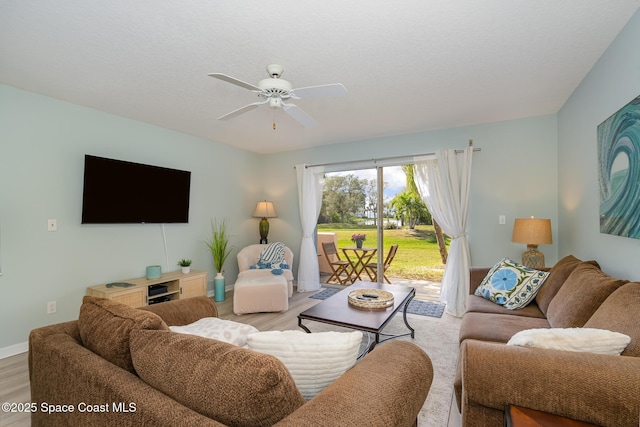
pixel 310 185
pixel 443 183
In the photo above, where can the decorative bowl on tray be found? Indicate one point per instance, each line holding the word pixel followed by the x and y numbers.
pixel 370 299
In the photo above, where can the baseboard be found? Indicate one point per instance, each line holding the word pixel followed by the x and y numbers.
pixel 13 350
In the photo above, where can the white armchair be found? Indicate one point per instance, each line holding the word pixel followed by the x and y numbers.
pixel 249 255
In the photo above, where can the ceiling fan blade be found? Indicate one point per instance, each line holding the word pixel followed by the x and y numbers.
pixel 335 89
pixel 297 113
pixel 234 81
pixel 242 110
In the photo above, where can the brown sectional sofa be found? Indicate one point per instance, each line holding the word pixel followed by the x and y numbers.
pixel 594 388
pixel 118 366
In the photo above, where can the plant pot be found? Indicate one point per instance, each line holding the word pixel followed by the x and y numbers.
pixel 186 270
pixel 218 284
pixel 359 244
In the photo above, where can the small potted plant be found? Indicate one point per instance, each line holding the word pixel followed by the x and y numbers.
pixel 186 265
pixel 358 239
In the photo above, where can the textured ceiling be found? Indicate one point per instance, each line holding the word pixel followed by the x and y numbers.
pixel 408 66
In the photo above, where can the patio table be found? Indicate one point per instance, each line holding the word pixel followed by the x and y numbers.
pixel 360 258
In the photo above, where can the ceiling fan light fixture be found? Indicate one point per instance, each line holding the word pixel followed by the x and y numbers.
pixel 275 102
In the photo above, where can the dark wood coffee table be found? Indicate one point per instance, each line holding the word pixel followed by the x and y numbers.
pixel 336 310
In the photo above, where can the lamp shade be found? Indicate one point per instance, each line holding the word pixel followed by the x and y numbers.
pixel 532 231
pixel 265 210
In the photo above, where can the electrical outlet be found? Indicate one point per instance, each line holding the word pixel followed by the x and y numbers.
pixel 52 225
pixel 51 307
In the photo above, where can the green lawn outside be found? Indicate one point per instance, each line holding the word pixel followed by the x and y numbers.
pixel 418 256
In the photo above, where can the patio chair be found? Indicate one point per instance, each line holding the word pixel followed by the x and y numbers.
pixel 338 267
pixel 372 267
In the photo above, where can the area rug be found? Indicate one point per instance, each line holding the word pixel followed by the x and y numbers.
pixel 439 339
pixel 422 308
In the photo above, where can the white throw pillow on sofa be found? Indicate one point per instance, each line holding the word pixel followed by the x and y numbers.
pixel 573 339
pixel 218 329
pixel 314 360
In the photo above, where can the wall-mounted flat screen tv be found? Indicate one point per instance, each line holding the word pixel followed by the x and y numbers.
pixel 119 192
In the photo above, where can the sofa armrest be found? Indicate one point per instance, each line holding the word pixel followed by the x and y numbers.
pixel 476 274
pixel 388 387
pixel 595 388
pixel 184 311
pixel 63 372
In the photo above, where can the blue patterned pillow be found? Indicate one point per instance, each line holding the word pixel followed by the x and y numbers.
pixel 510 284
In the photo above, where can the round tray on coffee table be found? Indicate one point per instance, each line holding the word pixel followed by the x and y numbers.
pixel 370 299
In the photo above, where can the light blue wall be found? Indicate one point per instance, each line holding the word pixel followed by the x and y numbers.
pixel 514 175
pixel 42 146
pixel 612 83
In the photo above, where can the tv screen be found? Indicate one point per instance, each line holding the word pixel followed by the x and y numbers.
pixel 119 192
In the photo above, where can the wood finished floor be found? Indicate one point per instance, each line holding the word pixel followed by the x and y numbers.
pixel 14 372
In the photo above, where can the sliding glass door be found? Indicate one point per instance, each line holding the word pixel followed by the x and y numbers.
pixel 356 210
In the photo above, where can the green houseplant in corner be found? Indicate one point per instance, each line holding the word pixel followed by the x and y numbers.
pixel 220 251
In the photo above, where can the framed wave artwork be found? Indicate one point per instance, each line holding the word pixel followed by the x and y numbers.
pixel 619 172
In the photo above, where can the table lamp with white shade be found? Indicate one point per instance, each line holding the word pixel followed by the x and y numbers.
pixel 264 210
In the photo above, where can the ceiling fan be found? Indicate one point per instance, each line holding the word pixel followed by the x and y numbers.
pixel 276 92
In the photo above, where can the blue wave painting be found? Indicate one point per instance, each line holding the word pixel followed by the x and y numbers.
pixel 619 172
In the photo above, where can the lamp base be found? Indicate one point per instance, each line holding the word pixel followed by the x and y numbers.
pixel 532 257
pixel 263 227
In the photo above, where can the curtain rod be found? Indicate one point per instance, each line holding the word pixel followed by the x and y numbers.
pixel 383 159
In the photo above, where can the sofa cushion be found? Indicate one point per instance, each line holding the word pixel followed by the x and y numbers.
pixel 105 327
pixel 511 284
pixel 222 330
pixel 480 305
pixel 314 360
pixel 580 296
pixel 233 385
pixel 589 340
pixel 496 327
pixel 619 313
pixel 558 275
